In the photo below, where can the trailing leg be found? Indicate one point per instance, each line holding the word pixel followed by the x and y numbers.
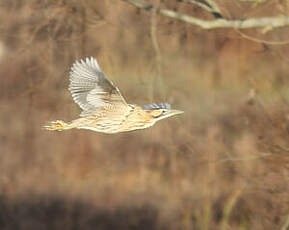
pixel 58 126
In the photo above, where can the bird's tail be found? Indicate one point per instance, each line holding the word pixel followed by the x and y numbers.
pixel 58 126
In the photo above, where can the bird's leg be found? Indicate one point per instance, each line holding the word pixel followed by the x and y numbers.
pixel 57 125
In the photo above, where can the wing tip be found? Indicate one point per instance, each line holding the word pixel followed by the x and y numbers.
pixel 84 62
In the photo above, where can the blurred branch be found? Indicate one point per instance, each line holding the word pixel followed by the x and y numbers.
pixel 254 1
pixel 229 208
pixel 154 36
pixel 268 23
pixel 285 226
pixel 155 42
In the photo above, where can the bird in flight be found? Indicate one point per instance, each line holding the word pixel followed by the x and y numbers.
pixel 103 107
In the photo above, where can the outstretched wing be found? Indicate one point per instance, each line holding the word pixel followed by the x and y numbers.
pixel 156 106
pixel 91 89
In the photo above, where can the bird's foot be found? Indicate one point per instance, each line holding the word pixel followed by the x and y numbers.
pixel 56 125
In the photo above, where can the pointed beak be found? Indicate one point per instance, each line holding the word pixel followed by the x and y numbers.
pixel 175 112
pixel 169 113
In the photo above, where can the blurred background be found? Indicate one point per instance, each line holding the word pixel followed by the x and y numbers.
pixel 223 164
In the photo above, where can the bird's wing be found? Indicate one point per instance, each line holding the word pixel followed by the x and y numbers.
pixel 156 106
pixel 91 89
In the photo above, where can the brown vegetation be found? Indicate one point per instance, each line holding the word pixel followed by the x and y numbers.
pixel 223 164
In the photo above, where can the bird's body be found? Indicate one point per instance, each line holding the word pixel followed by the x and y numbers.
pixel 132 118
pixel 104 108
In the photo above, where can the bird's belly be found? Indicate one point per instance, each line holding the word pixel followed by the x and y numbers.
pixel 100 124
pixel 95 129
pixel 116 128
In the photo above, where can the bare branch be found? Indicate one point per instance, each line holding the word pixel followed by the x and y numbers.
pixel 266 22
pixel 214 10
pixel 214 6
pixel 198 3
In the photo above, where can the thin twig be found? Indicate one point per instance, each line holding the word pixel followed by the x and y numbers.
pixel 265 22
pixel 257 40
pixel 231 159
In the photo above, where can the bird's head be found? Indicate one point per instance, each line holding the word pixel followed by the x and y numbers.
pixel 160 111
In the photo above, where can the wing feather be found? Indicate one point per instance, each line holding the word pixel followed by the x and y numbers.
pixel 91 89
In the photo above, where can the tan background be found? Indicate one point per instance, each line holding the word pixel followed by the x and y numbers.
pixel 223 164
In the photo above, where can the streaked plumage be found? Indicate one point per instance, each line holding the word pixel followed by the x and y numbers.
pixel 103 107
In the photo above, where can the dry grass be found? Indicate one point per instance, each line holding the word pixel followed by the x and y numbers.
pixel 223 164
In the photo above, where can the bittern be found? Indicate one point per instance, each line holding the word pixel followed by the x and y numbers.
pixel 104 108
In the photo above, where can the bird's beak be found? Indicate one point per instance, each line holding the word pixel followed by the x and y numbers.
pixel 169 113
pixel 175 112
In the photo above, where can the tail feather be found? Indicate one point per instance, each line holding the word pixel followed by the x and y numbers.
pixel 57 126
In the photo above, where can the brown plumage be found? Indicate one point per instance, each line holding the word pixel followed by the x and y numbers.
pixel 103 107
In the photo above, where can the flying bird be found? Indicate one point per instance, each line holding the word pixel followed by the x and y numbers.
pixel 103 107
